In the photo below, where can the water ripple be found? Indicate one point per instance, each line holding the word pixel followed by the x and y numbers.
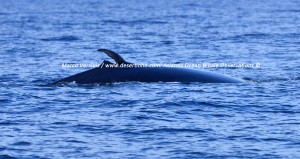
pixel 61 38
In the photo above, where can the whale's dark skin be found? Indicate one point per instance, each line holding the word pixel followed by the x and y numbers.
pixel 106 74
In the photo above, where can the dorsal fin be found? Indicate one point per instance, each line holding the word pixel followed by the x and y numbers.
pixel 119 60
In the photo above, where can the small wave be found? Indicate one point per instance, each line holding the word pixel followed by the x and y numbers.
pixel 191 103
pixel 75 141
pixel 256 35
pixel 92 128
pixel 275 139
pixel 280 111
pixel 61 38
pixel 174 130
pixel 262 37
pixel 249 36
pixel 60 123
pixel 2 13
pixel 167 42
pixel 287 10
pixel 8 123
pixel 7 157
pixel 22 143
pixel 273 79
pixel 2 148
pixel 134 22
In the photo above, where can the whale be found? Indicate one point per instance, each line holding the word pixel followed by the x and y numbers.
pixel 123 71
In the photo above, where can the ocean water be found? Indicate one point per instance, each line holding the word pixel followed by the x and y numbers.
pixel 256 119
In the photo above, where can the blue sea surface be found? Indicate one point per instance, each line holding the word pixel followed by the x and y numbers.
pixel 256 119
